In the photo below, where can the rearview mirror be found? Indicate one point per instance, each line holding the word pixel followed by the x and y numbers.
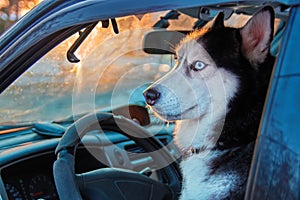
pixel 162 41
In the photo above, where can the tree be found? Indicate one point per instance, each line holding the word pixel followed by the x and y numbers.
pixel 12 10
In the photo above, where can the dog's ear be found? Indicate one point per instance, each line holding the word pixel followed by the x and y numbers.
pixel 257 35
pixel 218 21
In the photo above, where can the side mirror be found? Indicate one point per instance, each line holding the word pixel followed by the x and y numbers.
pixel 162 41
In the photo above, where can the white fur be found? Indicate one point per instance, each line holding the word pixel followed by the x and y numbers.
pixel 204 131
pixel 208 91
pixel 199 101
pixel 198 184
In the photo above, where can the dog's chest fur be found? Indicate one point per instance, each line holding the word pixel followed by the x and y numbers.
pixel 216 174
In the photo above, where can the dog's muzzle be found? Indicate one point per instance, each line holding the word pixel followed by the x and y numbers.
pixel 151 96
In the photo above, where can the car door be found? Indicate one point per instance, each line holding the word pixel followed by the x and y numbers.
pixel 275 170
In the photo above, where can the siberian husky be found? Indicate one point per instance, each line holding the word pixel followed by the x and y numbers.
pixel 216 93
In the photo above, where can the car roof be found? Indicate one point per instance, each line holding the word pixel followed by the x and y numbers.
pixel 95 9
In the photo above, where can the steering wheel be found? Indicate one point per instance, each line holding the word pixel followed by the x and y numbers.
pixel 109 183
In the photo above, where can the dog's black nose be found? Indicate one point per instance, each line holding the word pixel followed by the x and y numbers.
pixel 151 96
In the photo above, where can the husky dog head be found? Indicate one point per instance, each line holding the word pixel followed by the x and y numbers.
pixel 216 72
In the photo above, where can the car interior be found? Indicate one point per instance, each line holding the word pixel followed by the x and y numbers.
pixel 84 97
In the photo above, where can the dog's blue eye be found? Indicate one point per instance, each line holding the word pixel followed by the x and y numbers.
pixel 198 65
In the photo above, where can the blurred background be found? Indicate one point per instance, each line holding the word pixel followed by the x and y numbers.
pixel 12 10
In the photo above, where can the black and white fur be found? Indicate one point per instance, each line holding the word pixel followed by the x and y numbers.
pixel 216 93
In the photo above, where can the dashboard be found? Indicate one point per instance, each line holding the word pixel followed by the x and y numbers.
pixel 30 179
pixel 26 168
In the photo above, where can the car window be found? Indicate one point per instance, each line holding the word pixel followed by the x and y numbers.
pixel 113 71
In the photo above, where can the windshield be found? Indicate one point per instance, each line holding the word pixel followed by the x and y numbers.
pixel 113 71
